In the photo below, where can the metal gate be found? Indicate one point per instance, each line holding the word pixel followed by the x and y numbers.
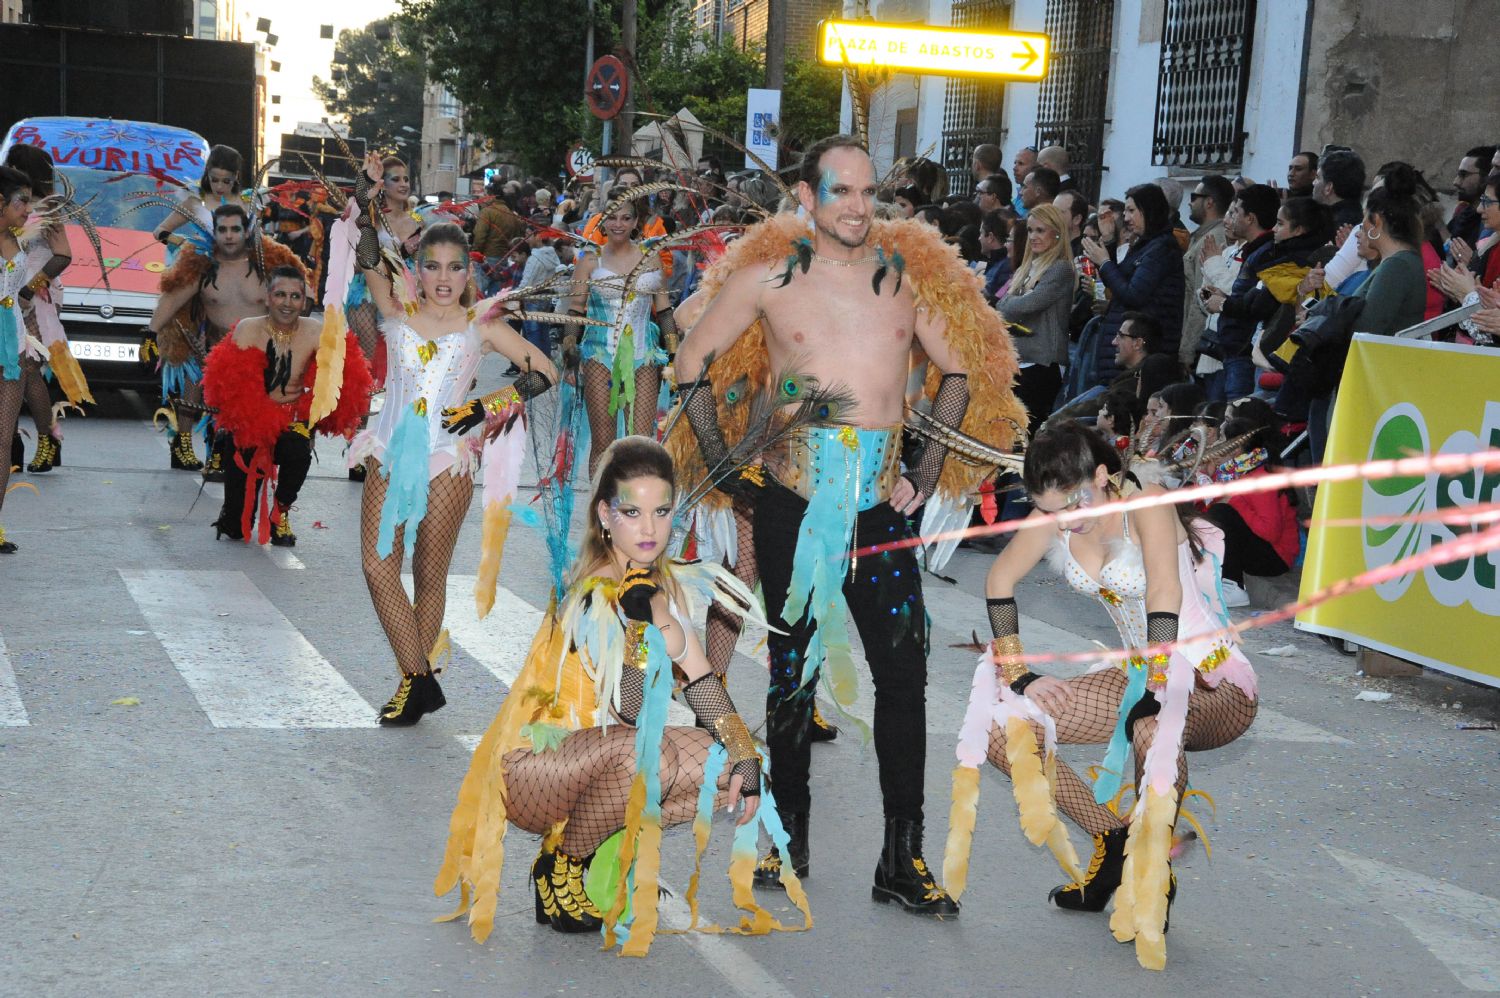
pixel 1071 105
pixel 972 108
pixel 1200 94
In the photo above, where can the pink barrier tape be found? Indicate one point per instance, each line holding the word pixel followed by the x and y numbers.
pixel 1407 467
pixel 1467 546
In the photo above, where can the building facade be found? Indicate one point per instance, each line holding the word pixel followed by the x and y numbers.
pixel 745 21
pixel 1144 88
pixel 448 153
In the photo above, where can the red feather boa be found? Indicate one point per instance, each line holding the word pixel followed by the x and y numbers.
pixel 234 384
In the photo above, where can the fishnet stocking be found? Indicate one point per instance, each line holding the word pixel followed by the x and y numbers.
pixel 642 421
pixel 1215 717
pixel 723 629
pixel 412 625
pixel 587 781
pixel 363 319
pixel 595 377
pixel 1091 721
pixel 10 411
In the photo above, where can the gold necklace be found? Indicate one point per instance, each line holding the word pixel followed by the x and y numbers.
pixel 281 337
pixel 844 263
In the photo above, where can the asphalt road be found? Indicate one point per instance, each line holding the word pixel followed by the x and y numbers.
pixel 194 798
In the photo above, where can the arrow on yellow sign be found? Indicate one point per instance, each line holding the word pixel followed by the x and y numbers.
pixel 905 48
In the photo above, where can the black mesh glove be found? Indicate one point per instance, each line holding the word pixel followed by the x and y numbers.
pixel 709 700
pixel 1005 625
pixel 365 190
pixel 531 384
pixel 948 408
pixel 367 250
pixel 1161 627
pixel 703 416
pixel 635 593
pixel 1005 619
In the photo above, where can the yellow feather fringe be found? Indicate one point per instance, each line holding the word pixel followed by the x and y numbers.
pixel 1141 900
pixel 635 806
pixel 69 375
pixel 332 342
pixel 962 817
pixel 1039 821
pixel 475 852
pixel 647 875
pixel 491 551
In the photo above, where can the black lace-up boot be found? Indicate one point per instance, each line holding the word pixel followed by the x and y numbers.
pixel 902 875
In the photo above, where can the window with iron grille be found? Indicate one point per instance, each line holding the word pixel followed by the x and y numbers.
pixel 1071 104
pixel 972 108
pixel 1200 94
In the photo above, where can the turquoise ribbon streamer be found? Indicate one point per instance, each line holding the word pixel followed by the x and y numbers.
pixel 177 378
pixel 1107 783
pixel 359 291
pixel 406 469
pixel 712 767
pixel 10 345
pixel 650 729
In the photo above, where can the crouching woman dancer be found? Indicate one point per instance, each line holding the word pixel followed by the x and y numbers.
pixel 580 749
pixel 420 473
pixel 1184 687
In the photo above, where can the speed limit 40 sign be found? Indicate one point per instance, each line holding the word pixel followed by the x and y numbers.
pixel 580 164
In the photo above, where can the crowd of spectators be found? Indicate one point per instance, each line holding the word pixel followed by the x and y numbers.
pixel 1174 334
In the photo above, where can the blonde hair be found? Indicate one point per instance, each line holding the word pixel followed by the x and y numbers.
pixel 1034 265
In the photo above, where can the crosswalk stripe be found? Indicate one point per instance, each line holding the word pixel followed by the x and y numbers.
pixel 245 663
pixel 12 711
pixel 1457 926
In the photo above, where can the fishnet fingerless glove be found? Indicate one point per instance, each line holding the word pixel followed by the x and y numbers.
pixel 948 408
pixel 709 700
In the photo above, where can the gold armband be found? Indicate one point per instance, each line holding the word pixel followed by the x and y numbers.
pixel 498 402
pixel 635 644
pixel 39 282
pixel 735 738
pixel 1006 651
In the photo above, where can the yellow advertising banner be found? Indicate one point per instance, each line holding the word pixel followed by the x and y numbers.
pixel 1401 398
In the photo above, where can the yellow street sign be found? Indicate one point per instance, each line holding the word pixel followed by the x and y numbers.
pixel 905 48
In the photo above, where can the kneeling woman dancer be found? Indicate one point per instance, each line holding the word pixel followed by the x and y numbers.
pixel 580 749
pixel 1155 574
pixel 420 474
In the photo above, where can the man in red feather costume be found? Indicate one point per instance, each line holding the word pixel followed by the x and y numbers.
pixel 263 380
pixel 202 297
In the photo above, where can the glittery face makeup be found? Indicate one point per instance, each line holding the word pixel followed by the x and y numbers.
pixel 639 519
pixel 845 197
pixel 825 186
pixel 1081 497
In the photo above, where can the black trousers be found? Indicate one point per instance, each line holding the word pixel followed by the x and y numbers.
pixel 1037 387
pixel 885 600
pixel 1245 551
pixel 293 458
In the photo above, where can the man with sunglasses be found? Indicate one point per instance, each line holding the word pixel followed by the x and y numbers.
pixel 1468 185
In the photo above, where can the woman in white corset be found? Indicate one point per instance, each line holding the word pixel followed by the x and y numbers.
pixel 1181 688
pixel 419 468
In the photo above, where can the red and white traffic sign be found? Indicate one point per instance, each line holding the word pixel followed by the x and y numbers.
pixel 607 87
pixel 580 164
